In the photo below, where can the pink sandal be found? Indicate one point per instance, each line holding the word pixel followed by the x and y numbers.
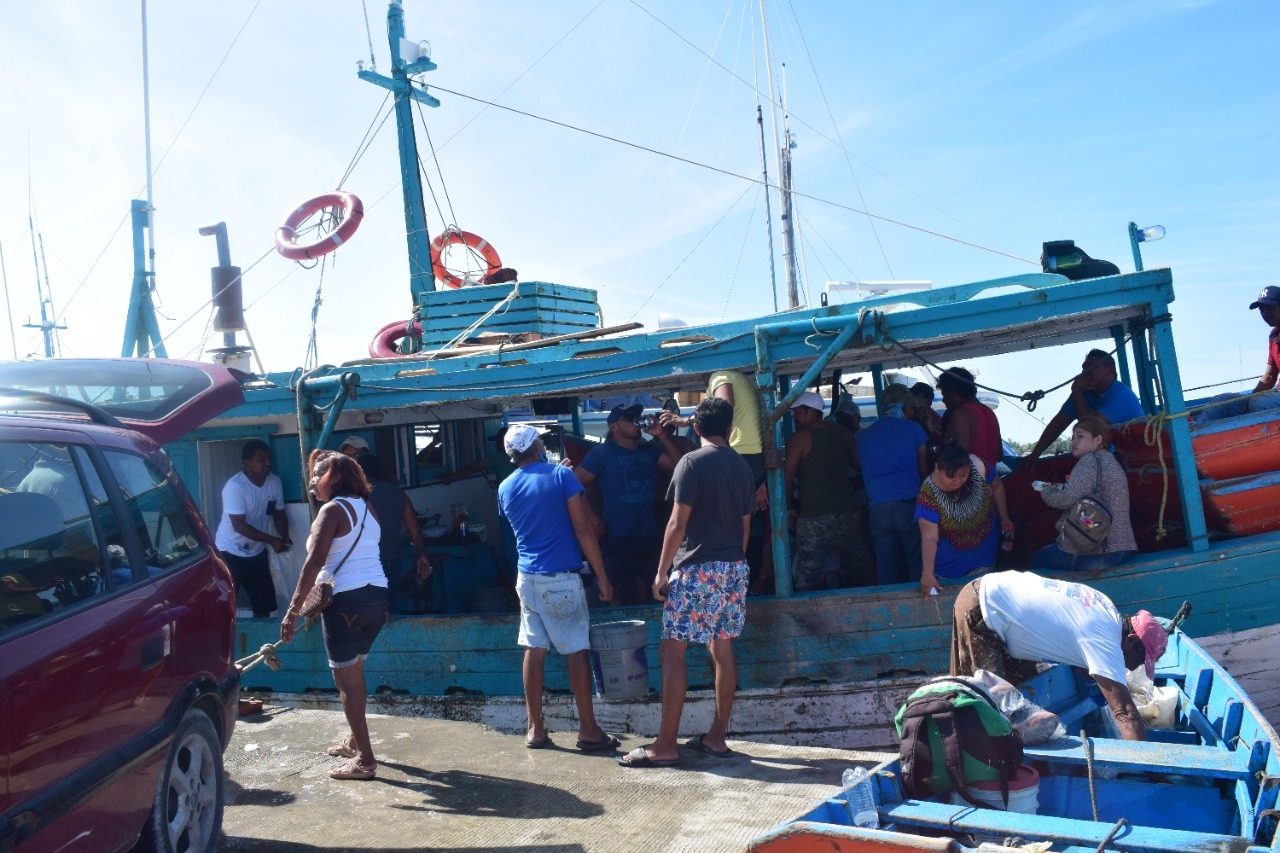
pixel 343 749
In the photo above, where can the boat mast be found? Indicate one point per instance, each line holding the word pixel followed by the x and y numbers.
pixel 141 330
pixel 407 59
pixel 784 177
pixel 46 326
pixel 786 208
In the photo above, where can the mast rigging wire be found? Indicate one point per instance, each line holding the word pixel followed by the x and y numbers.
pixel 819 133
pixel 728 173
pixel 836 127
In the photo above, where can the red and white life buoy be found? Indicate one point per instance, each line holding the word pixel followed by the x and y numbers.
pixel 287 234
pixel 384 341
pixel 469 240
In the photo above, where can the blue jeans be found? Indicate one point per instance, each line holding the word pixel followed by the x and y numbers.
pixel 895 536
pixel 1053 557
pixel 1231 405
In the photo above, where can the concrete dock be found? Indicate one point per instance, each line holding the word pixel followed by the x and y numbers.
pixel 446 785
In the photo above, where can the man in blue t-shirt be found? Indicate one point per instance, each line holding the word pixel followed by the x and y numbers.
pixel 625 468
pixel 892 454
pixel 553 531
pixel 1095 393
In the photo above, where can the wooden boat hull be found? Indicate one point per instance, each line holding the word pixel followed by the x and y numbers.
pixel 1224 450
pixel 826 669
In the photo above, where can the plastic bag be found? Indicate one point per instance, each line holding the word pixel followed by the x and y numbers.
pixel 1035 724
pixel 1158 706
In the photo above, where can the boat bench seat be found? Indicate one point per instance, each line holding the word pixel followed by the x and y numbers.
pixel 1142 756
pixel 943 816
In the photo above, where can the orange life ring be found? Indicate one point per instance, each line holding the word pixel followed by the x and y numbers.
pixel 384 341
pixel 287 234
pixel 469 240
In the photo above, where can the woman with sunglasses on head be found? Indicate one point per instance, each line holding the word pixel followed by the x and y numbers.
pixel 343 550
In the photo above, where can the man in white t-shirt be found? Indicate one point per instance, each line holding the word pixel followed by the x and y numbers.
pixel 248 499
pixel 1006 620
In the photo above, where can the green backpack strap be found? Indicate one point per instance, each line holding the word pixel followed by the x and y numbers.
pixel 953 755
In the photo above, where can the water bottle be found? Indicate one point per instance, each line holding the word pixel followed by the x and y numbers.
pixel 862 802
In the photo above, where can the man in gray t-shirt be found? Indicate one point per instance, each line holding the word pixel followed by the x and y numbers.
pixel 704 597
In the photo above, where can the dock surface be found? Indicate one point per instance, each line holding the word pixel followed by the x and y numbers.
pixel 446 785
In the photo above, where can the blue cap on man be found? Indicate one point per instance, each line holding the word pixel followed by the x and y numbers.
pixel 1269 296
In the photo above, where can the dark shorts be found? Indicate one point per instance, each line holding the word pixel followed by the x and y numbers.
pixel 631 562
pixel 352 623
pixel 254 574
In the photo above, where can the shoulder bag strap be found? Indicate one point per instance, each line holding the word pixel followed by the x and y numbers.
pixel 359 533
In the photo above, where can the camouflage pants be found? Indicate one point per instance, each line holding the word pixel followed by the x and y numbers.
pixel 842 533
pixel 975 646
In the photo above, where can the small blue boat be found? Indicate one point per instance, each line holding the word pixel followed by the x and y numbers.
pixel 1209 783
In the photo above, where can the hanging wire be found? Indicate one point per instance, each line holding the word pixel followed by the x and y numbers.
pixel 701 240
pixel 370 134
pixel 741 250
pixel 312 358
pixel 835 204
pixel 835 126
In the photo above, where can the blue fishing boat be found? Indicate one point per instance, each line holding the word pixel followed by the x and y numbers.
pixel 1209 782
pixel 824 668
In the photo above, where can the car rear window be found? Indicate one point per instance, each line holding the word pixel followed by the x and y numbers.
pixel 134 390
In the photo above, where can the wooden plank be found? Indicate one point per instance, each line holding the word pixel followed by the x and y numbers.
pixel 991 822
pixel 1141 756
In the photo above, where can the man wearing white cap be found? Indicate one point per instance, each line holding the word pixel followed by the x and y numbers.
pixel 545 506
pixel 1005 622
pixel 353 446
pixel 819 454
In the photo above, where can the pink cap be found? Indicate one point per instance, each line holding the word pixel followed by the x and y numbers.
pixel 1154 638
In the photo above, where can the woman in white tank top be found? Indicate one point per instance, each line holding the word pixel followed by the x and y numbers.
pixel 343 550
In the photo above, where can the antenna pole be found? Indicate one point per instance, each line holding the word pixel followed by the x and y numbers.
pixel 768 211
pixel 146 125
pixel 786 212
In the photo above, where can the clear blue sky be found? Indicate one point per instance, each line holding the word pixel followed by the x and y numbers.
pixel 1002 124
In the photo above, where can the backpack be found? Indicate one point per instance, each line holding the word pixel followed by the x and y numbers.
pixel 1085 526
pixel 952 734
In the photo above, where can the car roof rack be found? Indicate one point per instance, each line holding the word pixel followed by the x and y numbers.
pixel 98 416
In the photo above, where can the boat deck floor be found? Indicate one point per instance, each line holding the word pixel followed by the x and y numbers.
pixel 445 785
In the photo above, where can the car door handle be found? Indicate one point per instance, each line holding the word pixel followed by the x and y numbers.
pixel 152 652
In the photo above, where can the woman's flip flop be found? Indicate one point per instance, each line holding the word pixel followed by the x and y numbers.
pixel 352 770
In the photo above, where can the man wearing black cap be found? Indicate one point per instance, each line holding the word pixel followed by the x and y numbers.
pixel 1268 305
pixel 626 468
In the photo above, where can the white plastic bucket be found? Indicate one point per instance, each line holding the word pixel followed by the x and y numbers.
pixel 1023 790
pixel 618 660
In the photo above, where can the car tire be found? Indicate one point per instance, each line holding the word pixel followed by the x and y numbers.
pixel 187 814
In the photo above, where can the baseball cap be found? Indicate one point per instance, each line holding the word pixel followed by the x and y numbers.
pixel 1154 638
pixel 897 393
pixel 848 407
pixel 810 399
pixel 354 441
pixel 520 437
pixel 1269 296
pixel 619 412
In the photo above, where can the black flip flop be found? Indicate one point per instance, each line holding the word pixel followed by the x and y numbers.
pixel 609 742
pixel 539 744
pixel 697 745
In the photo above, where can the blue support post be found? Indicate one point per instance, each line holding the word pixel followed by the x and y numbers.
pixel 141 330
pixel 1143 372
pixel 312 434
pixel 1122 357
pixel 421 279
pixel 1133 243
pixel 1179 432
pixel 877 385
pixel 775 484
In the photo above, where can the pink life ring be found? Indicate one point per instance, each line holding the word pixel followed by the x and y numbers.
pixel 471 241
pixel 384 341
pixel 287 234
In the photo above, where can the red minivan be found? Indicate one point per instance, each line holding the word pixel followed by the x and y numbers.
pixel 118 684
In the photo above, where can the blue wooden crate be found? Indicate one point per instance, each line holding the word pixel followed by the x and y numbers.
pixel 539 307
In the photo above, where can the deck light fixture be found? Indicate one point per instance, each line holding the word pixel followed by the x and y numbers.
pixel 1143 235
